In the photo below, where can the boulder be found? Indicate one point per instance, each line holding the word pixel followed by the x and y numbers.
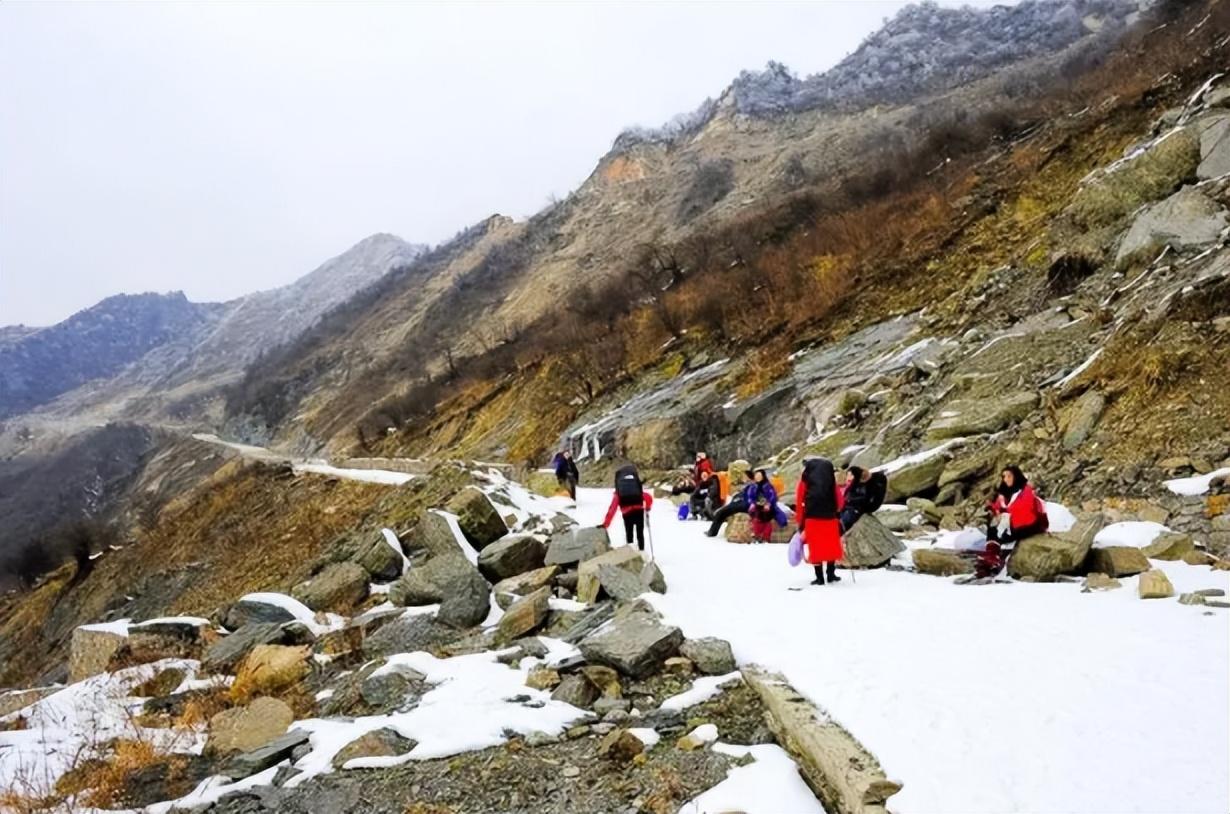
pixel 524 615
pixel 91 650
pixel 511 556
pixel 576 690
pixel 223 655
pixel 964 417
pixel 528 582
pixel 242 729
pixel 620 745
pixel 589 576
pixel 1214 148
pixel 542 678
pixel 479 520
pixel 895 519
pixel 738 529
pixel 915 478
pixel 164 682
pixel 652 577
pixel 710 655
pixel 576 545
pixel 427 584
pixel 941 562
pixel 968 467
pixel 1186 219
pixel 1155 585
pixel 173 638
pixel 1191 599
pixel 927 508
pixel 1118 561
pixel 385 742
pixel 467 600
pixel 868 544
pixel 383 558
pixel 258 760
pixel 408 634
pixel 391 689
pixel 270 669
pixel 619 583
pixel 1080 418
pixel 1045 556
pixel 1100 582
pixel 251 609
pixel 434 534
pixel 604 678
pixel 634 643
pixel 1169 545
pixel 339 587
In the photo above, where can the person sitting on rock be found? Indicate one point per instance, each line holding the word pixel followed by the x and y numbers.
pixel 761 499
pixel 706 498
pixel 862 494
pixel 1016 513
pixel 818 504
pixel 738 504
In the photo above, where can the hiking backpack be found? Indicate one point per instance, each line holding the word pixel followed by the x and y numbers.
pixel 628 486
pixel 821 498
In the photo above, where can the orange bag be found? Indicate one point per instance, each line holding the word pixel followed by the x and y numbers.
pixel 723 484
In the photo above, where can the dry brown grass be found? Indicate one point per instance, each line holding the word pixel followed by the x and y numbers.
pixel 101 783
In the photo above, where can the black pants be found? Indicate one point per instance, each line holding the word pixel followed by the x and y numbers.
pixel 635 519
pixel 848 517
pixel 1014 535
pixel 735 506
pixel 570 483
pixel 831 567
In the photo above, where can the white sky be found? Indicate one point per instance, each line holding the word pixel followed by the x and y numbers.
pixel 224 148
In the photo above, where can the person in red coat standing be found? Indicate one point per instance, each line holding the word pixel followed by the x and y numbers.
pixel 818 504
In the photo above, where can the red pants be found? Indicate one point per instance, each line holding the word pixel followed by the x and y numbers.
pixel 762 529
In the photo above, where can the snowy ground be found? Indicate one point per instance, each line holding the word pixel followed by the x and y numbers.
pixel 996 698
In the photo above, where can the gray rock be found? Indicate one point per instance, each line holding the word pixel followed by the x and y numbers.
pixel 246 612
pixel 467 600
pixel 868 544
pixel 247 728
pixel 257 760
pixel 479 520
pixel 381 560
pixel 1117 561
pixel 1214 147
pixel 388 691
pixel 1044 557
pixel 635 643
pixel 384 742
pixel 895 519
pixel 432 533
pixel 914 478
pixel 1080 419
pixel 339 587
pixel 604 705
pixel 511 556
pixel 577 545
pixel 619 583
pixel 427 584
pixel 167 638
pixel 710 655
pixel 1187 219
pixel 580 625
pixel 421 632
pixel 965 417
pixel 576 690
pixel 525 615
pixel 224 655
pixel 652 577
pixel 940 562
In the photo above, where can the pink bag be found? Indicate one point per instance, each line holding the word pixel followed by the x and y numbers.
pixel 794 551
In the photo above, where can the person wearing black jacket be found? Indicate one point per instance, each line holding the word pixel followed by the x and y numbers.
pixel 736 505
pixel 566 472
pixel 864 493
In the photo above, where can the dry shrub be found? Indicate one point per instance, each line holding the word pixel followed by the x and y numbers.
pixel 667 790
pixel 202 707
pixel 100 783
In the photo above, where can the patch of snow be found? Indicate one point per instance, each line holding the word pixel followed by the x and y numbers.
pixel 1079 369
pixel 558 604
pixel 1133 533
pixel 918 457
pixel 702 690
pixel 300 611
pixel 211 789
pixel 647 736
pixel 390 537
pixel 1059 517
pixel 558 651
pixel 119 627
pixel 195 621
pixel 383 476
pixel 770 785
pixel 1197 484
pixel 462 542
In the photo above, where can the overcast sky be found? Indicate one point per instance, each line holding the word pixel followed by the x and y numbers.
pixel 225 148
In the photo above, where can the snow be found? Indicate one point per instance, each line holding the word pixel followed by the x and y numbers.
pixel 770 785
pixel 211 789
pixel 705 733
pixel 119 627
pixel 1001 698
pixel 469 707
pixel 555 603
pixel 384 476
pixel 918 457
pixel 702 690
pixel 390 537
pixel 74 724
pixel 297 609
pixel 647 736
pixel 1059 517
pixel 462 543
pixel 1134 533
pixel 1079 369
pixel 1197 484
pixel 195 621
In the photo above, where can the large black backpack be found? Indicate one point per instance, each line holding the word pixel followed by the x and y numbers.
pixel 879 486
pixel 628 486
pixel 821 496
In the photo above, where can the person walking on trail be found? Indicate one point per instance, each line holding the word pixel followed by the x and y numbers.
pixel 566 472
pixel 761 499
pixel 738 504
pixel 863 494
pixel 818 504
pixel 633 502
pixel 1016 513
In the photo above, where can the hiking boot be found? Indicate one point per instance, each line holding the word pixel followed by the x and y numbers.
pixel 833 573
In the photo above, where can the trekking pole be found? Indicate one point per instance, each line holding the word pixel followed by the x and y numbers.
pixel 649 531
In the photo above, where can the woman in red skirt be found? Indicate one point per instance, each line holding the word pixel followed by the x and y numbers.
pixel 817 506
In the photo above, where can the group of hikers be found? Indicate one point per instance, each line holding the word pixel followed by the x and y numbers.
pixel 824 510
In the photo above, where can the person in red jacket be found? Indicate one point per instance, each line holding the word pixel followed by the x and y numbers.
pixel 634 516
pixel 1016 513
pixel 703 465
pixel 818 504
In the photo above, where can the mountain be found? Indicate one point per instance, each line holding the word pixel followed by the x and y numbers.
pixel 39 365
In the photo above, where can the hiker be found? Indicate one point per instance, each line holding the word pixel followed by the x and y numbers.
pixel 736 505
pixel 566 472
pixel 817 506
pixel 706 498
pixel 703 465
pixel 863 494
pixel 685 484
pixel 632 501
pixel 1016 513
pixel 761 499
